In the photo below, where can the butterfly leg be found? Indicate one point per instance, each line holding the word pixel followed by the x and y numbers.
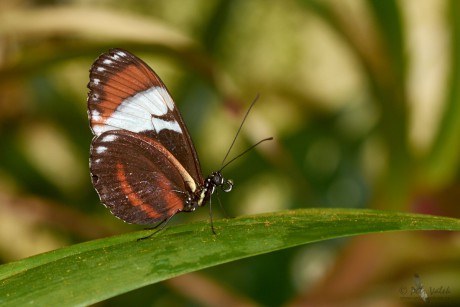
pixel 157 228
pixel 210 217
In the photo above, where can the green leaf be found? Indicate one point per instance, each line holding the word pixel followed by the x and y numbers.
pixel 93 271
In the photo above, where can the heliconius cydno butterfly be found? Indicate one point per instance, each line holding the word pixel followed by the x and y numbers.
pixel 143 163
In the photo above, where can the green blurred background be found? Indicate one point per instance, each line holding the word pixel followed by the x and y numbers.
pixel 361 96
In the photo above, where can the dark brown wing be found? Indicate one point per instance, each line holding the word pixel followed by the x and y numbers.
pixel 139 180
pixel 126 94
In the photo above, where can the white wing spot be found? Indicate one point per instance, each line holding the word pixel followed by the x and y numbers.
pixel 100 68
pixel 96 81
pixel 160 124
pixel 101 149
pixel 99 129
pixel 109 138
pixel 107 61
pixel 121 53
pixel 95 115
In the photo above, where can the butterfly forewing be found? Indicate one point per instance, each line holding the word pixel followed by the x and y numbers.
pixel 135 178
pixel 126 94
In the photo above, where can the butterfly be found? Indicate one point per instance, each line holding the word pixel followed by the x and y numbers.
pixel 143 164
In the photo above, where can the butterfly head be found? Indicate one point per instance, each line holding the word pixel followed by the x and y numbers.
pixel 217 180
pixel 212 181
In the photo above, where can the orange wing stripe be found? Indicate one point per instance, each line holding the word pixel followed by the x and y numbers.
pixel 174 202
pixel 132 196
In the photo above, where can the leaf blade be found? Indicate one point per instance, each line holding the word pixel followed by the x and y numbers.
pixel 93 271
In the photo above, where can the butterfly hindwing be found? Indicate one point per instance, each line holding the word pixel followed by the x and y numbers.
pixel 136 179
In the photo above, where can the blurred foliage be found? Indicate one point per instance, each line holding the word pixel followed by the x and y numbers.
pixel 362 98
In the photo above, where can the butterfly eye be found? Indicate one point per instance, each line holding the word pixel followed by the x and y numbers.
pixel 217 179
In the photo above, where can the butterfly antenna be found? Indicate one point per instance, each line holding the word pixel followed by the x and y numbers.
pixel 238 132
pixel 244 152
